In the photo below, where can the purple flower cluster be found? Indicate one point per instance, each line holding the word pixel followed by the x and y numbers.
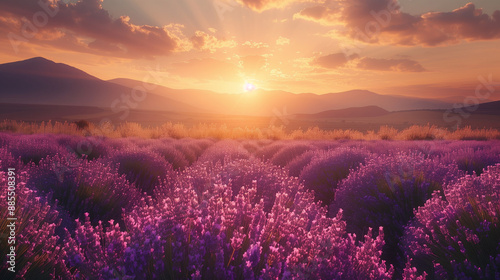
pixel 290 152
pixel 458 236
pixel 224 150
pixel 132 208
pixel 385 192
pixel 38 253
pixel 267 178
pixel 88 147
pixel 327 169
pixel 33 148
pixel 472 160
pixel 172 155
pixel 81 186
pixel 142 167
pixel 223 236
pixel 8 161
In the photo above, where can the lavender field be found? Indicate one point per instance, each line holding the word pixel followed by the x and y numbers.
pixel 133 208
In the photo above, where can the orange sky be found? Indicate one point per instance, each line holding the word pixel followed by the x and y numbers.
pixel 418 48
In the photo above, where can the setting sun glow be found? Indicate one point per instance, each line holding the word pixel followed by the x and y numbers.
pixel 248 87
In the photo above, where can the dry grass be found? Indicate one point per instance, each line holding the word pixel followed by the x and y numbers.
pixel 416 132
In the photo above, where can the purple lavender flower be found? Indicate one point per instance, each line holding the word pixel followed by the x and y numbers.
pixel 327 169
pixel 290 152
pixel 33 148
pixel 81 186
pixel 171 155
pixel 143 168
pixel 38 254
pixel 224 151
pixel 385 192
pixel 88 147
pixel 298 164
pixel 472 160
pixel 458 236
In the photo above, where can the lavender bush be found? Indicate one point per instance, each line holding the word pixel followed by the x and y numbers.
pixel 96 252
pixel 142 167
pixel 268 151
pixel 171 155
pixel 225 150
pixel 33 148
pixel 458 236
pixel 229 210
pixel 187 150
pixel 386 190
pixel 80 186
pixel 267 178
pixel 296 166
pixel 5 139
pixel 289 153
pixel 472 160
pixel 223 236
pixel 88 147
pixel 8 161
pixel 38 254
pixel 327 169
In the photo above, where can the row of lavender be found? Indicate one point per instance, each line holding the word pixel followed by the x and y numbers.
pixel 91 208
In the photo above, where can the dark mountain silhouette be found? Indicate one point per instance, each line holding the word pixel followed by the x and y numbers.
pixel 39 66
pixel 41 81
pixel 355 112
pixel 263 102
pixel 489 108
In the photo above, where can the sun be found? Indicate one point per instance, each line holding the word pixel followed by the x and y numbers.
pixel 248 87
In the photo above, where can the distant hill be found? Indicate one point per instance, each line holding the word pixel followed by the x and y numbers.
pixel 41 81
pixel 41 67
pixel 263 102
pixel 355 112
pixel 489 108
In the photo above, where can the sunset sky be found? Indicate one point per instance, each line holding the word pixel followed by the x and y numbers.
pixel 420 47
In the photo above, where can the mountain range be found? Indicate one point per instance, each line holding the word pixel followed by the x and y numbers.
pixel 41 81
pixel 265 102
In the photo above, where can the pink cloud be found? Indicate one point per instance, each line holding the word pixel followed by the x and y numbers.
pixel 333 61
pixel 339 60
pixel 396 65
pixel 204 41
pixel 261 5
pixel 382 21
pixel 87 20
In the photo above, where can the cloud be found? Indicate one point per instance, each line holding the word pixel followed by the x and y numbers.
pixel 206 69
pixel 91 24
pixel 255 45
pixel 340 60
pixel 281 41
pixel 396 65
pixel 322 14
pixel 261 5
pixel 382 21
pixel 333 61
pixel 204 41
